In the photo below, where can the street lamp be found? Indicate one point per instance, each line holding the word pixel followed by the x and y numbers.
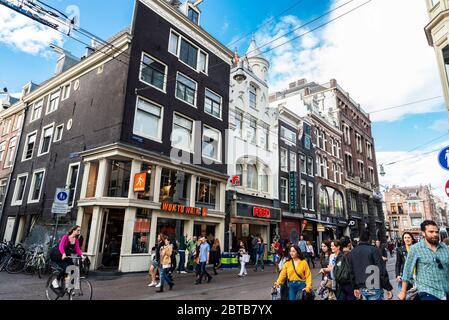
pixel 240 75
pixel 382 170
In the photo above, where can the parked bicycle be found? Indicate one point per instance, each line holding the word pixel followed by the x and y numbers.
pixel 73 285
pixel 35 261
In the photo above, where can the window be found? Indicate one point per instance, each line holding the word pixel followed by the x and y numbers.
pixel 173 44
pixel 310 191
pixel 239 173
pixel 264 180
pixel 334 169
pixel 324 169
pixel 303 164
pixel 371 175
pixel 284 190
pixel 153 72
pixel 288 135
pixel 65 92
pixel 36 186
pixel 211 143
pixel 186 89
pixel 182 135
pixel 353 201
pixel 119 178
pixel 320 139
pixel 175 187
pixel 7 126
pixel 18 123
pixel 37 110
pixel 416 222
pixel 340 174
pixel 11 152
pixel 212 104
pixel 310 166
pixel 252 132
pixel 188 53
pixel 47 135
pixel 58 133
pixel 72 181
pixel 53 102
pixel 347 134
pixel 361 170
pixel 19 189
pixel 193 16
pixel 338 204
pixel 3 184
pixel 141 238
pixel 304 194
pixel 239 123
pixel 349 164
pixel 284 156
pixel 2 151
pixel 324 202
pixel 252 177
pixel 253 96
pixel 293 165
pixel 264 136
pixel 435 2
pixel 92 179
pixel 359 143
pixel 148 120
pixel 29 146
pixel 365 207
pixel 206 192
pixel 369 149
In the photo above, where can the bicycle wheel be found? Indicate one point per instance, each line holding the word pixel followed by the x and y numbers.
pixel 84 293
pixel 50 293
pixel 15 266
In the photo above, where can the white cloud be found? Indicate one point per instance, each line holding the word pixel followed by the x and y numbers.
pixel 379 53
pixel 440 126
pixel 24 34
pixel 415 168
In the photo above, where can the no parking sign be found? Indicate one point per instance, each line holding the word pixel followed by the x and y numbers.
pixel 447 188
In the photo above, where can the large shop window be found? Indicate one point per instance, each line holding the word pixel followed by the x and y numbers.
pixel 141 237
pixel 173 229
pixel 175 187
pixel 338 204
pixel 206 193
pixel 148 194
pixel 92 180
pixel 119 178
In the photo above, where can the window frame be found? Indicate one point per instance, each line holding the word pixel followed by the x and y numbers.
pixel 192 141
pixel 178 52
pixel 14 201
pixel 219 147
pixel 63 87
pixel 164 89
pixel 195 99
pixel 285 200
pixel 32 185
pixel 41 142
pixel 76 182
pixel 25 149
pixel 286 159
pixel 11 154
pixel 160 124
pixel 221 103
pixel 41 102
pixel 47 112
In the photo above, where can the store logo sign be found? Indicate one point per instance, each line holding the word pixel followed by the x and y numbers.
pixel 261 212
pixel 140 182
pixel 177 208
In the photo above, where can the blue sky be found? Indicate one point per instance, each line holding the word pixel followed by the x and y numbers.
pixel 381 58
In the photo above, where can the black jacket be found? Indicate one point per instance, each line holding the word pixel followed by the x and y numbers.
pixel 401 257
pixel 363 256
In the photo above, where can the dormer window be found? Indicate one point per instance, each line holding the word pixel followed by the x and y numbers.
pixel 193 16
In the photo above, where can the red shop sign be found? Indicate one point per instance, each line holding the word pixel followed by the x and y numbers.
pixel 261 212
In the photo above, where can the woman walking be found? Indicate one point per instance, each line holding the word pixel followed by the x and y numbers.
pixel 326 257
pixel 215 254
pixel 166 252
pixel 243 257
pixel 401 256
pixel 310 253
pixel 297 272
pixel 276 251
pixel 341 274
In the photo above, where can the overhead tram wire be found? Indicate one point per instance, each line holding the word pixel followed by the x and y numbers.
pixel 300 36
pixel 267 22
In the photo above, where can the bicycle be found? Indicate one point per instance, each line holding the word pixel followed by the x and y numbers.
pixel 35 262
pixel 75 287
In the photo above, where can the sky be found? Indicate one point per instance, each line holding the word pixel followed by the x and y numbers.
pixel 378 53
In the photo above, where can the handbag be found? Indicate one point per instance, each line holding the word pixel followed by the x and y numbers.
pixel 245 258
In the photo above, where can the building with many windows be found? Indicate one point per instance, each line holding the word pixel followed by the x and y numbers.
pixel 252 156
pixel 136 132
pixel 437 31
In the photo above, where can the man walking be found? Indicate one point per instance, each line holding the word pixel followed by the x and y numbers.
pixel 182 254
pixel 204 260
pixel 302 244
pixel 369 271
pixel 260 252
pixel 430 259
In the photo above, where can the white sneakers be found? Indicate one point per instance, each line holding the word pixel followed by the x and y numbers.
pixel 153 284
pixel 183 272
pixel 55 283
pixel 159 285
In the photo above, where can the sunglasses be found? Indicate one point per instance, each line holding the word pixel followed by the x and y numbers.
pixel 440 265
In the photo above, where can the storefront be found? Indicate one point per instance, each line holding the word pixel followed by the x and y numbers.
pixel 250 221
pixel 290 227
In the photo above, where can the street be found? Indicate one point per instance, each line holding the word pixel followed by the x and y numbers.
pixel 225 286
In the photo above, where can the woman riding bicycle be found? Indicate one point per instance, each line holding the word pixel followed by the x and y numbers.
pixel 68 246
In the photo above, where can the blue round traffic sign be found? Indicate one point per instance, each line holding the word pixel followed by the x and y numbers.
pixel 62 196
pixel 443 158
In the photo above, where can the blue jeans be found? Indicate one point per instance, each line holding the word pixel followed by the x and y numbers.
pixel 259 260
pixel 429 297
pixel 203 272
pixel 373 294
pixel 164 277
pixel 182 260
pixel 294 289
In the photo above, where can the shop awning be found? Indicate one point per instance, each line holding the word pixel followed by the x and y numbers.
pixel 324 223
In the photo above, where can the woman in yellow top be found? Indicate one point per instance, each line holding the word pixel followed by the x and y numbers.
pixel 297 272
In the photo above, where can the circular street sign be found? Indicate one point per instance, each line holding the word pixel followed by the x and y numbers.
pixel 62 196
pixel 443 158
pixel 447 188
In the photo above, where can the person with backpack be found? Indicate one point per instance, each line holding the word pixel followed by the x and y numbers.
pixel 364 260
pixel 342 272
pixel 297 272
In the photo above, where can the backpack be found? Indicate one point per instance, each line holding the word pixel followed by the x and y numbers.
pixel 342 271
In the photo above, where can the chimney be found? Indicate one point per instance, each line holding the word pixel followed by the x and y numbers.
pixel 333 83
pixel 65 61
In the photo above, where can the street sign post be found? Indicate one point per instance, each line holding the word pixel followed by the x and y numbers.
pixel 60 206
pixel 443 158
